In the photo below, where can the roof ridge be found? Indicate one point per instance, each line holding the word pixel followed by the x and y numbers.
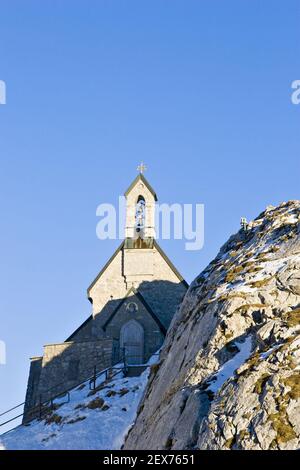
pixel 141 177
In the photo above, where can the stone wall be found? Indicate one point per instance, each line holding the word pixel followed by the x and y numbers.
pixel 111 285
pixel 64 366
pixel 149 272
pixel 32 396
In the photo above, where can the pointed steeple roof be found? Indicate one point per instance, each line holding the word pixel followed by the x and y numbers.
pixel 141 177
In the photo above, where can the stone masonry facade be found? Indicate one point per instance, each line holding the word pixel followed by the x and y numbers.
pixel 64 366
pixel 134 298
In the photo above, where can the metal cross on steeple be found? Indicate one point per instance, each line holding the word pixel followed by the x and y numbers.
pixel 141 168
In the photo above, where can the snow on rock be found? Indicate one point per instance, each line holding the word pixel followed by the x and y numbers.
pixel 100 420
pixel 228 369
pixel 248 295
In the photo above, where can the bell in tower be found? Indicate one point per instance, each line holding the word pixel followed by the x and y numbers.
pixel 140 217
pixel 140 212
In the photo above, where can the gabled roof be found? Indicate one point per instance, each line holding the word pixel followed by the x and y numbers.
pixel 79 328
pixel 141 177
pixel 104 268
pixel 143 301
pixel 121 246
pixel 169 262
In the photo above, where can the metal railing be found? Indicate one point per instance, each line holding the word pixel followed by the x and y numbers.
pixel 38 410
pixel 41 407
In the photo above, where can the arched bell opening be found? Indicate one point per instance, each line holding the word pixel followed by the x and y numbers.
pixel 140 217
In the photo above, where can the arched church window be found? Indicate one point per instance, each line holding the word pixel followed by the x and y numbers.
pixel 140 215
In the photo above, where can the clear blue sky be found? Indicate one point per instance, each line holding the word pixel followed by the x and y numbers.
pixel 199 90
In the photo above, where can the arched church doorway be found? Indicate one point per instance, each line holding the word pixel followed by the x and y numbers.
pixel 132 339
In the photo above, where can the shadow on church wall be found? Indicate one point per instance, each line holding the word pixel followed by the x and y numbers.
pixel 95 345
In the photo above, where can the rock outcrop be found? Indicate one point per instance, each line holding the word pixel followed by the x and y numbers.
pixel 229 371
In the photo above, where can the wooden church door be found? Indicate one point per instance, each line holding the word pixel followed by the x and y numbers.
pixel 132 339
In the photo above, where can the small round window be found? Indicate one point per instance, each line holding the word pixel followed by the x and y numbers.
pixel 132 307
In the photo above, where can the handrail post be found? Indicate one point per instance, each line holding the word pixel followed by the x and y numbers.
pixel 95 376
pixel 124 360
pixel 40 406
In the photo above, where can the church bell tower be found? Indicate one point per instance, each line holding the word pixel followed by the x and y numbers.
pixel 138 255
pixel 140 211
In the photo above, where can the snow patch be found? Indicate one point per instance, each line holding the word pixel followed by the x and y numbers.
pixel 228 369
pixel 84 427
pixel 266 354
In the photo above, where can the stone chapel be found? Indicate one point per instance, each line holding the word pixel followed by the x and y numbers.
pixel 134 298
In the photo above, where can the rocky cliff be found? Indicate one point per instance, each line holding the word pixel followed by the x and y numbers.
pixel 229 371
